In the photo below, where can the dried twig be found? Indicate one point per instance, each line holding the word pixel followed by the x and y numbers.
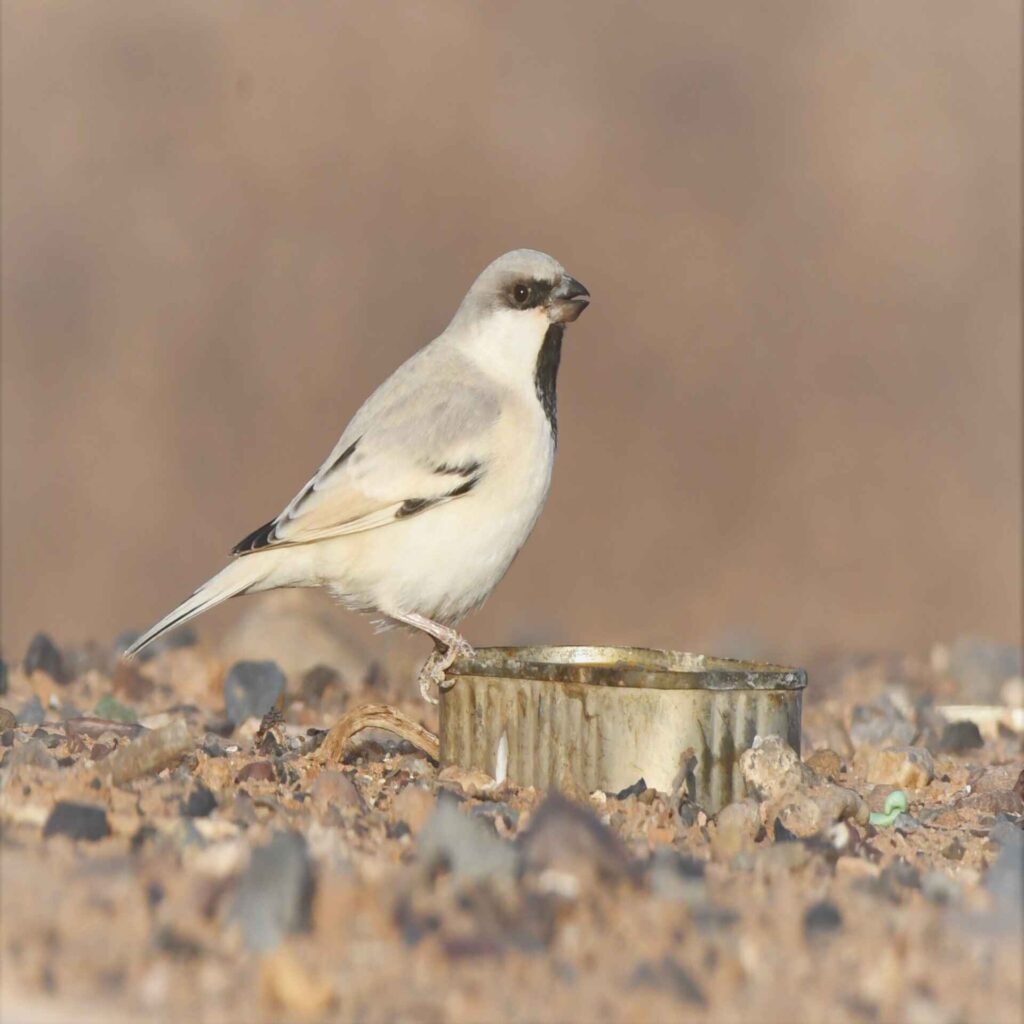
pixel 150 753
pixel 376 716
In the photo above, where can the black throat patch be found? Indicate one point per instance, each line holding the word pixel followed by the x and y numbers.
pixel 546 375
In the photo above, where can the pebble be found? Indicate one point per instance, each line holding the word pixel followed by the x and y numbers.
pixel 200 803
pixel 288 985
pixel 826 763
pixel 77 821
pixel 938 887
pixel 257 771
pixel 905 767
pixel 736 829
pixel 335 789
pixel 674 876
pixel 960 736
pixel 7 720
pixel 413 805
pixel 33 754
pixel 670 976
pixel 792 792
pixel 3 677
pixel 251 689
pixel 316 682
pixel 467 846
pixel 820 919
pixel 43 655
pixel 880 724
pixel 569 838
pixel 32 712
pixel 274 897
pixel 981 667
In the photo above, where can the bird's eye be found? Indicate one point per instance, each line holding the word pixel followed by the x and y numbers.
pixel 521 293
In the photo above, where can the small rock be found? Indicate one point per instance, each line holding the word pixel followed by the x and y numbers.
pixel 736 828
pixel 251 689
pixel 3 677
pixel 826 763
pixel 43 655
pixel 33 754
pixel 413 805
pixel 880 725
pixel 466 846
pixel 288 986
pixel 905 767
pixel 275 895
pixel 821 918
pixel 316 682
pixel 567 838
pixel 954 851
pixel 7 720
pixel 981 667
pixel 335 789
pixel 792 793
pixel 674 876
pixel 77 821
pixel 100 751
pixel 960 736
pixel 668 976
pixel 114 711
pixel 200 802
pixel 469 781
pixel 938 887
pixel 257 771
pixel 906 823
pixel 32 712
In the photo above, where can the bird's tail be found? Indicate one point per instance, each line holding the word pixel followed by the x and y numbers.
pixel 235 578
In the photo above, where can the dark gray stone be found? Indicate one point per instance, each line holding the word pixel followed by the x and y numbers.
pixel 466 846
pixel 77 821
pixel 822 918
pixel 251 689
pixel 31 712
pixel 274 897
pixel 880 725
pixel 960 736
pixel 43 655
pixel 200 802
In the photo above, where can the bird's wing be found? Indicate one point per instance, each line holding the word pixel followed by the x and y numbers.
pixel 409 448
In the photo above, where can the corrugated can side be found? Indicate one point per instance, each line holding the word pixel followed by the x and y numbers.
pixel 553 735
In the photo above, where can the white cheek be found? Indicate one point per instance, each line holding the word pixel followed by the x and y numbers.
pixel 506 345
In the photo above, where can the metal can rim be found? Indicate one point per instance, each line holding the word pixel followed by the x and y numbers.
pixel 627 667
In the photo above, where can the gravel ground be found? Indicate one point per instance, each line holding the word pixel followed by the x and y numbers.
pixel 180 841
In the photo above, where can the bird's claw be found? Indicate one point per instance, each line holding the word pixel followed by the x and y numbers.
pixel 432 675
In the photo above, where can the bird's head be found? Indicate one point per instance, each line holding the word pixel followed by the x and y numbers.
pixel 518 301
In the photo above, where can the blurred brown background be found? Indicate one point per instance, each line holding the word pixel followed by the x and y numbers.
pixel 790 419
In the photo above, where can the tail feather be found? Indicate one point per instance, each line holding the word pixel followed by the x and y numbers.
pixel 234 579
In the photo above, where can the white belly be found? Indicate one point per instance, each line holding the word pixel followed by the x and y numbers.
pixel 444 562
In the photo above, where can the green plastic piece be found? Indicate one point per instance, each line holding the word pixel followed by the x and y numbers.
pixel 115 711
pixel 896 803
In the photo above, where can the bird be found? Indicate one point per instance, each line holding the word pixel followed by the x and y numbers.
pixel 436 483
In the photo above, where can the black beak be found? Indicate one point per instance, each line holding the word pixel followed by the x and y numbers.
pixel 568 300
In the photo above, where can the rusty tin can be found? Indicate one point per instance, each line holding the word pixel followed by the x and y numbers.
pixel 600 718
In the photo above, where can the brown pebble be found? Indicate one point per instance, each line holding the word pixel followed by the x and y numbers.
pixel 130 683
pixel 7 720
pixel 257 771
pixel 334 789
pixel 100 751
pixel 826 763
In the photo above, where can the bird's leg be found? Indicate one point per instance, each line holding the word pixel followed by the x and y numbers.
pixel 448 646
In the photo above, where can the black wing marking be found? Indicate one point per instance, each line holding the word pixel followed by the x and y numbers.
pixel 411 506
pixel 265 535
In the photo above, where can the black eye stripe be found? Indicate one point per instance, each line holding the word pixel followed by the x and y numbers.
pixel 528 294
